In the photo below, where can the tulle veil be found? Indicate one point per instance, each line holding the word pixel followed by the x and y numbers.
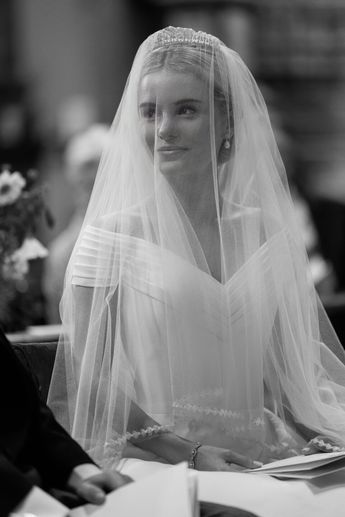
pixel 188 292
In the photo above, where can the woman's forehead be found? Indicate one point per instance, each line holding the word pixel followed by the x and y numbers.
pixel 170 86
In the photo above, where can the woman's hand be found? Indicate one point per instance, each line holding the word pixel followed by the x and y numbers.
pixel 322 444
pixel 215 458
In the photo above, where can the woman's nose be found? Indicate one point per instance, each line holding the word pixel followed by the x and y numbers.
pixel 166 129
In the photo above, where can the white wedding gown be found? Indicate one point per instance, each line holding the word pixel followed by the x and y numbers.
pixel 207 380
pixel 200 307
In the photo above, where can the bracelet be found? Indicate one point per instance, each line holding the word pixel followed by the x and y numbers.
pixel 318 442
pixel 193 454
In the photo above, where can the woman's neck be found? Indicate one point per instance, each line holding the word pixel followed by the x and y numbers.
pixel 196 194
pixel 198 200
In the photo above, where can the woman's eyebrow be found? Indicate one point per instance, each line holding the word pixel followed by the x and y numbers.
pixel 183 101
pixel 177 103
pixel 146 104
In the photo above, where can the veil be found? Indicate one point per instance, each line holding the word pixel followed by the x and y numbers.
pixel 188 303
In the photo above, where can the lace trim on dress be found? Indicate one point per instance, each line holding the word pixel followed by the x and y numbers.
pixel 244 423
pixel 118 443
pixel 227 413
pixel 112 450
pixel 244 420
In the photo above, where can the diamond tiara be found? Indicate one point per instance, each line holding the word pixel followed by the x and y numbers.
pixel 183 36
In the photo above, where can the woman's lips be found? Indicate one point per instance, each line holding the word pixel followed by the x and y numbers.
pixel 171 151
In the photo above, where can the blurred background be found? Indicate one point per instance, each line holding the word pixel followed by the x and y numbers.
pixel 63 66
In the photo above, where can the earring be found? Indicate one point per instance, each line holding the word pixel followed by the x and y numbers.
pixel 226 143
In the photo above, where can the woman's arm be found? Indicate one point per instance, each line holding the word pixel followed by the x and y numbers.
pixel 173 448
pixel 166 445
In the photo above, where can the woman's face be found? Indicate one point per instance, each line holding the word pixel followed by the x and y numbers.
pixel 175 119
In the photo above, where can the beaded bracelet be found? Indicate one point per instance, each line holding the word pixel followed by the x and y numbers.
pixel 193 454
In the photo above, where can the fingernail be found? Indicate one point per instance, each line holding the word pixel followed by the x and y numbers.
pixel 258 463
pixel 306 449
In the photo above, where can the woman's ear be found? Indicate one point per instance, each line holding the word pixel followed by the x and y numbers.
pixel 225 148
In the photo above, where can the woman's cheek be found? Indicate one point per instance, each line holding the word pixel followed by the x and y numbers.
pixel 149 137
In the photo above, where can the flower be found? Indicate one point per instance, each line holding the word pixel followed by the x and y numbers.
pixel 16 266
pixel 22 206
pixel 32 249
pixel 11 186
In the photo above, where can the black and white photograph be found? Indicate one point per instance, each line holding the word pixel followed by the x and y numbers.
pixel 172 258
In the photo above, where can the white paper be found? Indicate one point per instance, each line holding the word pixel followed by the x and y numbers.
pixel 168 493
pixel 261 494
pixel 311 460
pixel 266 496
pixel 305 467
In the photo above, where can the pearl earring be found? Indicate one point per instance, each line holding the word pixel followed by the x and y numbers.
pixel 227 143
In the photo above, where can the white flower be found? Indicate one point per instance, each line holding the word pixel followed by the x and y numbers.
pixel 17 265
pixel 32 249
pixel 11 186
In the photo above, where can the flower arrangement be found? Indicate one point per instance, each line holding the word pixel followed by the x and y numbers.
pixel 21 208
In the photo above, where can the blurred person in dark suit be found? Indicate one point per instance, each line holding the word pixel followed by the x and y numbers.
pixel 319 201
pixel 20 142
pixel 36 453
pixel 327 201
pixel 321 268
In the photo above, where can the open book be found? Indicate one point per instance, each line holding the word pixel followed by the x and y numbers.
pixel 304 467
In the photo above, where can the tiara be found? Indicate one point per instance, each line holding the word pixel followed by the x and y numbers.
pixel 183 36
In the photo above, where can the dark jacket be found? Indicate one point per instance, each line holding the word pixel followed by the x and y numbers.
pixel 34 448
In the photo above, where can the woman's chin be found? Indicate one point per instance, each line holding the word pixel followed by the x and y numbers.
pixel 171 167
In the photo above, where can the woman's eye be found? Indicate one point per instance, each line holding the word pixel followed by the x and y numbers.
pixel 187 110
pixel 148 113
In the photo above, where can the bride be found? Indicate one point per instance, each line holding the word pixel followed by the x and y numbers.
pixel 192 330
